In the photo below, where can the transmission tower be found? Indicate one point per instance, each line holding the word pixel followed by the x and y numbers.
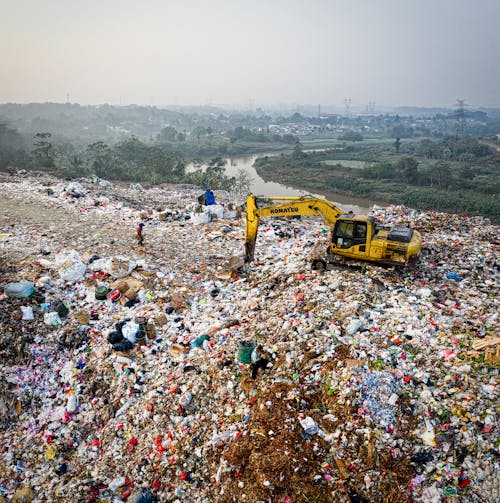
pixel 461 121
pixel 347 103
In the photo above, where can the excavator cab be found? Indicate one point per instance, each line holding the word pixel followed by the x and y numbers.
pixel 349 232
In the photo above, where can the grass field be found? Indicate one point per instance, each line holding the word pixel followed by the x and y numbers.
pixel 348 163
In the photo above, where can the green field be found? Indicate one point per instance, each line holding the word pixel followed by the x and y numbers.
pixel 348 163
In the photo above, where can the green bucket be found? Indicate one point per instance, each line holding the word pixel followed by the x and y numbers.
pixel 101 292
pixel 245 352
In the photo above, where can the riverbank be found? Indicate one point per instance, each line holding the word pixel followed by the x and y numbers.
pixel 313 172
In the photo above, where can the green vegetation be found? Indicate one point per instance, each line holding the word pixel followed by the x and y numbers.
pixel 161 159
pixel 460 175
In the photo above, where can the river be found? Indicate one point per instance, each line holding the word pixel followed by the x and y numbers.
pixel 260 187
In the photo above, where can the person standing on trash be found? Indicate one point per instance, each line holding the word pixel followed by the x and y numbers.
pixel 139 235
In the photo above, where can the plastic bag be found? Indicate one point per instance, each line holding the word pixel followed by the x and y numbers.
pixel 129 331
pixel 216 209
pixel 71 268
pixel 200 218
pixel 27 313
pixel 20 289
pixel 52 319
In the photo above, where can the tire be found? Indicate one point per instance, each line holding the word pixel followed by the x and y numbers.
pixel 318 265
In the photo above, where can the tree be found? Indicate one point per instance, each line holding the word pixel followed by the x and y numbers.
pixel 289 138
pixel 100 157
pixel 442 174
pixel 216 166
pixel 407 167
pixel 236 134
pixel 43 153
pixel 298 153
pixel 397 144
pixel 168 133
pixel 243 181
pixel 11 145
pixel 351 136
pixel 199 131
pixel 428 149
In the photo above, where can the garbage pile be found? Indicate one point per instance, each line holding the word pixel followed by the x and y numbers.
pixel 175 372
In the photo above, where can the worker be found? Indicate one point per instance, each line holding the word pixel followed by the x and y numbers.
pixel 139 235
pixel 209 197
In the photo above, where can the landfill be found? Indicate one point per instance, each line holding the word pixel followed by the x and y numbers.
pixel 175 372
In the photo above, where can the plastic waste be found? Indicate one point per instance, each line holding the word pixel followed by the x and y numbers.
pixel 216 209
pixel 124 345
pixel 19 289
pixel 61 309
pixel 199 341
pixel 427 434
pixel 72 404
pixel 185 399
pixel 200 218
pixel 354 326
pixel 71 268
pixel 378 396
pixel 142 496
pixel 130 330
pixel 27 313
pixel 52 318
pixel 309 425
pixel 119 266
pixel 101 292
pixel 116 483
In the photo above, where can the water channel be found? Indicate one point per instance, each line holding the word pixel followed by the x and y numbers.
pixel 260 187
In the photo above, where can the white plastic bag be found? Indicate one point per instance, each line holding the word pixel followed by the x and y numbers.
pixel 216 209
pixel 27 313
pixel 129 331
pixel 71 268
pixel 200 218
pixel 52 319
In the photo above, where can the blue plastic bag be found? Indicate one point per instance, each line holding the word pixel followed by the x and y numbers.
pixel 19 289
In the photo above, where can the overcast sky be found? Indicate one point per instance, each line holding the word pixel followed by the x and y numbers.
pixel 259 52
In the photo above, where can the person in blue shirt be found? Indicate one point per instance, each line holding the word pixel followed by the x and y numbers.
pixel 209 197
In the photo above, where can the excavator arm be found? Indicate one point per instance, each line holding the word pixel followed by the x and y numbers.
pixel 293 206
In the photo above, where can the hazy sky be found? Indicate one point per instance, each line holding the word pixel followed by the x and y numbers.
pixel 259 52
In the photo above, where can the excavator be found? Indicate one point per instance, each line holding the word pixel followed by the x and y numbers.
pixel 357 237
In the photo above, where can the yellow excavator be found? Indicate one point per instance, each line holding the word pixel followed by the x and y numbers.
pixel 357 237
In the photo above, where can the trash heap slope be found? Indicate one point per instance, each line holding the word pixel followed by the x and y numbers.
pixel 172 372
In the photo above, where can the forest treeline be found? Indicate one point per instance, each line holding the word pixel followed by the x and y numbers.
pixel 163 160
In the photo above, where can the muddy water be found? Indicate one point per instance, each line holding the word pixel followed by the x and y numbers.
pixel 260 187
